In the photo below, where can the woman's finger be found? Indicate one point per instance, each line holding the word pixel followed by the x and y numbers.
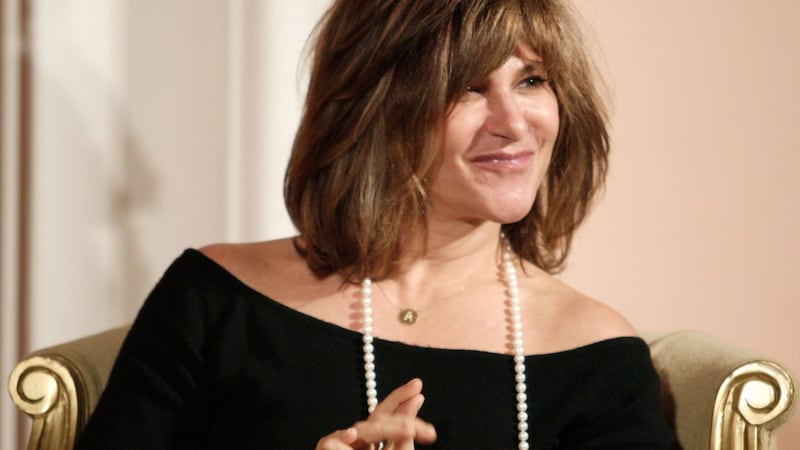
pixel 404 428
pixel 395 421
pixel 398 396
pixel 424 432
pixel 396 429
pixel 338 440
pixel 411 406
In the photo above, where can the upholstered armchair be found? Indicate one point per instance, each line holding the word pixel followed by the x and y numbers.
pixel 717 396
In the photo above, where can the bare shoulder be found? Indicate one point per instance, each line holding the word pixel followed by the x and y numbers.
pixel 572 319
pixel 243 257
pixel 273 268
pixel 597 321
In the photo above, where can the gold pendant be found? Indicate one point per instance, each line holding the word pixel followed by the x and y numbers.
pixel 408 316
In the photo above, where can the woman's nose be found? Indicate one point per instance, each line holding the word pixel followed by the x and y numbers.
pixel 505 116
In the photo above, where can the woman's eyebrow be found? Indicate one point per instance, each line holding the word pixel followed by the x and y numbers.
pixel 532 66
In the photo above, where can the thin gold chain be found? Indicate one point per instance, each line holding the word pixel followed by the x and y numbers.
pixel 409 315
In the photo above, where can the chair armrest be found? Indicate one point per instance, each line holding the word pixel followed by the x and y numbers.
pixel 59 386
pixel 721 397
pixel 718 396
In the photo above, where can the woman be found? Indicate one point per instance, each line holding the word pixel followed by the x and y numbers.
pixel 447 152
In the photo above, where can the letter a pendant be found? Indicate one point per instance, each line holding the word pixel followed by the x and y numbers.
pixel 408 316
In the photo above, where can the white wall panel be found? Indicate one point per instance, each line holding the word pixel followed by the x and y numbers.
pixel 273 83
pixel 75 268
pixel 158 126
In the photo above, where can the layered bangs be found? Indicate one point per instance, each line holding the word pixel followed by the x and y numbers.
pixel 484 34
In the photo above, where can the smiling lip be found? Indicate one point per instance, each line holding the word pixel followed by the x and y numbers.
pixel 504 162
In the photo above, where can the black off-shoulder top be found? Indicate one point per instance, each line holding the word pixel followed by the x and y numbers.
pixel 209 363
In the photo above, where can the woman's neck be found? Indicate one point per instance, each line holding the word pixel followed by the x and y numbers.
pixel 444 261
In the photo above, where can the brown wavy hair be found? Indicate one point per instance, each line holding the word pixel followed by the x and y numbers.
pixel 384 75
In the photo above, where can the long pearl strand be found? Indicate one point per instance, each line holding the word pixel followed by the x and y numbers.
pixel 512 290
pixel 369 349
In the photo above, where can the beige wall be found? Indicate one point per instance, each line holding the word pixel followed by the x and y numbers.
pixel 699 225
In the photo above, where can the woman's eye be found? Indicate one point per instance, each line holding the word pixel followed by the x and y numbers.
pixel 534 81
pixel 474 89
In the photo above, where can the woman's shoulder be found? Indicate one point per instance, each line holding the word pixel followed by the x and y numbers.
pixel 243 259
pixel 572 319
pixel 594 319
pixel 273 268
pixel 258 264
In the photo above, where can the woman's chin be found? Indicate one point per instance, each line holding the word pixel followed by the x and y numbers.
pixel 500 212
pixel 508 216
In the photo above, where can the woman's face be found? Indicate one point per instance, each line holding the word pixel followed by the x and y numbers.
pixel 496 144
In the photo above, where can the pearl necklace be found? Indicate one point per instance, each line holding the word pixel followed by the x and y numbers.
pixel 512 290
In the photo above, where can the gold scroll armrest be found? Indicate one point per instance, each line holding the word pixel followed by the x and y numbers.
pixel 721 397
pixel 59 387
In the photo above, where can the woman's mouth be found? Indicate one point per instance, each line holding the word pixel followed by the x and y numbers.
pixel 504 162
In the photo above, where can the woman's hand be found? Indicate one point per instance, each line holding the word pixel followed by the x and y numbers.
pixel 393 422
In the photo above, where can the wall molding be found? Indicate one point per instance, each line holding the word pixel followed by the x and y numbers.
pixel 15 154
